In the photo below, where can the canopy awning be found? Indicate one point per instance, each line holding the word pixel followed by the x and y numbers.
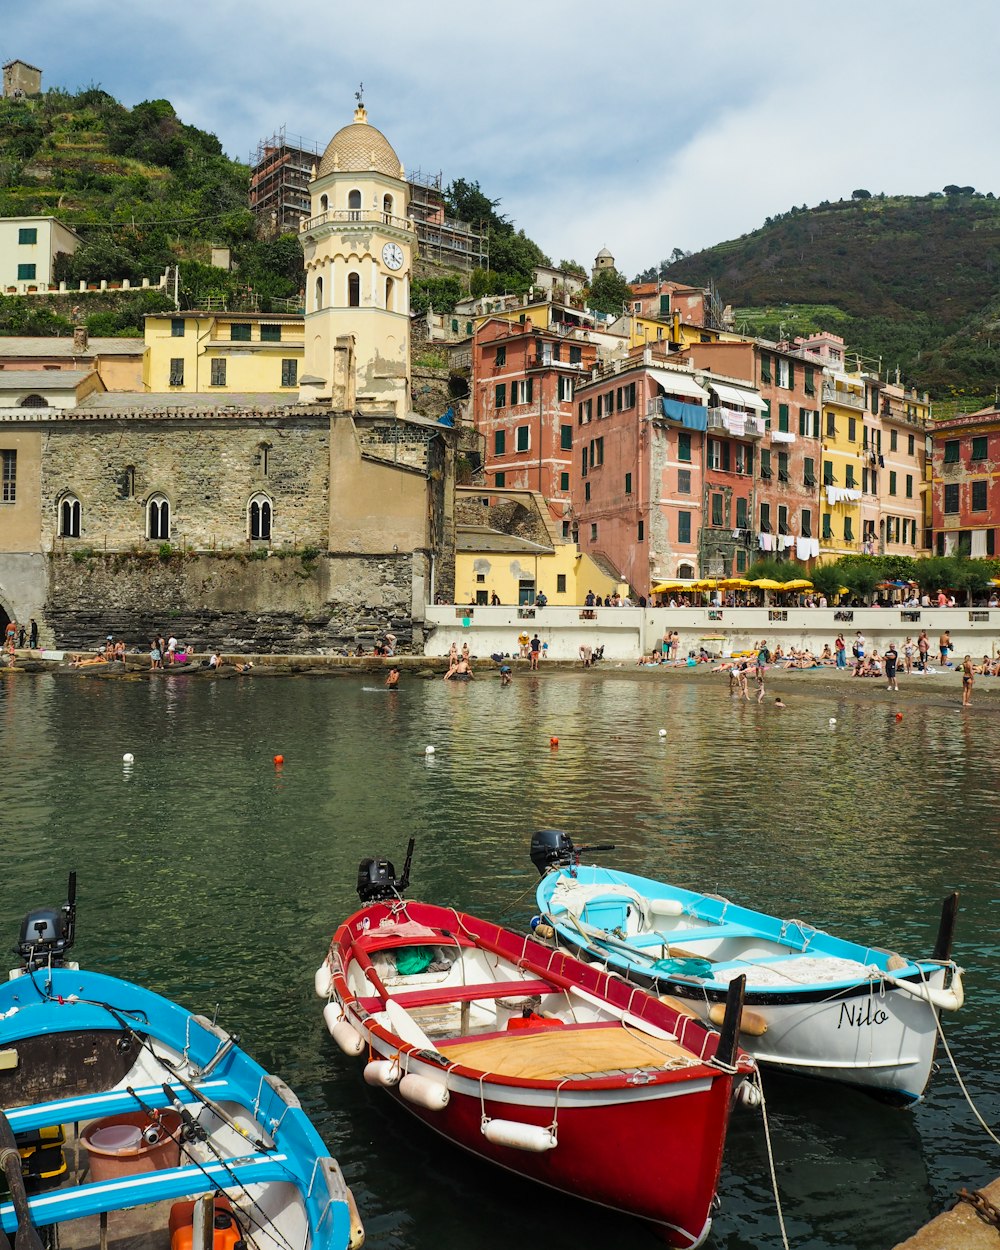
pixel 678 383
pixel 742 399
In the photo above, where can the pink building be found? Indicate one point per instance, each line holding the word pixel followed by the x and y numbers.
pixel 966 484
pixel 782 491
pixel 637 477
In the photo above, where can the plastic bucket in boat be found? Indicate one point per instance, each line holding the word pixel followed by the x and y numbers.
pixel 116 1147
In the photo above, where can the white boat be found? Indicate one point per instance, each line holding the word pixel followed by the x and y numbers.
pixel 815 1005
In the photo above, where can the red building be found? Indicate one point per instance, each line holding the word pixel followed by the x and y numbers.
pixel 965 484
pixel 523 383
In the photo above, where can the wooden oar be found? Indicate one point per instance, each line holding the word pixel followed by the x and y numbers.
pixel 26 1237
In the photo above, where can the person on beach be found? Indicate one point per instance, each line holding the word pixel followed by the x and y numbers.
pixel 155 655
pixel 10 637
pixel 462 672
pixel 968 671
pixel 392 681
pixel 33 634
pixel 523 639
pixel 667 641
pixel 586 654
pixel 760 683
pixel 506 675
pixel 778 702
pixel 79 662
pixel 453 654
pixel 908 649
pixel 535 651
pixel 944 647
pixel 840 650
pixel 891 658
pixel 763 659
pixel 923 650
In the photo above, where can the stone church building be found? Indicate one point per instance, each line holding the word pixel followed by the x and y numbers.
pixel 251 522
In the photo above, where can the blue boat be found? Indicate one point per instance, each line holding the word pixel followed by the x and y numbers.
pixel 125 1115
pixel 815 1004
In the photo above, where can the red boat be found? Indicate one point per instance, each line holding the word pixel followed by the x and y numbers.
pixel 527 1057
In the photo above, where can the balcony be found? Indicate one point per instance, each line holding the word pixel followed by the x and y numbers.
pixel 848 399
pixel 545 360
pixel 352 217
pixel 737 424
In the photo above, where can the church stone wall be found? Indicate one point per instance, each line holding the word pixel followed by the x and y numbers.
pixel 207 470
pixel 291 605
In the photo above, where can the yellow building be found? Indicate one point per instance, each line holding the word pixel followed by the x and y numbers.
pixel 233 353
pixel 843 446
pixel 645 331
pixel 517 567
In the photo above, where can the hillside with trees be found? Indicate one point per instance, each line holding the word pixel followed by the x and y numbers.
pixel 908 281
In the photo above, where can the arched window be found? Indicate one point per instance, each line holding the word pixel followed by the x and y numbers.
pixel 324 203
pixel 69 517
pixel 319 294
pixel 158 518
pixel 354 204
pixel 685 570
pixel 390 293
pixel 353 290
pixel 387 206
pixel 34 401
pixel 259 517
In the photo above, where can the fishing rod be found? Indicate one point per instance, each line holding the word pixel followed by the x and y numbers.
pixel 191 1130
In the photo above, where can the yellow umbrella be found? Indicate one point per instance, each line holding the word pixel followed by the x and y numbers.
pixel 798 583
pixel 766 583
pixel 734 583
pixel 662 587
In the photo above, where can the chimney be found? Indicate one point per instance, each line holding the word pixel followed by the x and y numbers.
pixel 79 340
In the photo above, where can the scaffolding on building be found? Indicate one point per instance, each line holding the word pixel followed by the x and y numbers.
pixel 444 239
pixel 281 169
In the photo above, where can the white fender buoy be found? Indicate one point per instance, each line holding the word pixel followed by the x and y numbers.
pixel 833 720
pixel 323 980
pixel 663 733
pixel 519 1136
pixel 384 1072
pixel 347 1038
pixel 664 907
pixel 747 1094
pixel 428 750
pixel 423 1092
pixel 333 1013
pixel 128 758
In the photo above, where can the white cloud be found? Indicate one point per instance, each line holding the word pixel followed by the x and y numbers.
pixel 639 130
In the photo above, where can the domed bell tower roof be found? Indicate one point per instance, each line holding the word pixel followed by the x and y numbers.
pixel 360 148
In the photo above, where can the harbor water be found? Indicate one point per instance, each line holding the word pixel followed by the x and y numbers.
pixel 216 877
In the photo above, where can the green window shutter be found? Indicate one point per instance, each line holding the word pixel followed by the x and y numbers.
pixel 783 417
pixel 791 375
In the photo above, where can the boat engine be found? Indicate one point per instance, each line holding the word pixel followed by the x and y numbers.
pixel 47 933
pixel 377 880
pixel 551 848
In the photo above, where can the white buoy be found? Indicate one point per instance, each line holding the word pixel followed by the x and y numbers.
pixel 347 1038
pixel 428 750
pixel 833 720
pixel 128 758
pixel 519 1136
pixel 385 1072
pixel 423 1092
pixel 663 733
pixel 323 980
pixel 333 1013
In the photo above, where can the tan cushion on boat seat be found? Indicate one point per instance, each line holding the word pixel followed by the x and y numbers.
pixel 549 1054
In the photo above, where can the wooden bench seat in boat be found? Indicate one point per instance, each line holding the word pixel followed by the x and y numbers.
pixel 435 995
pixel 575 1050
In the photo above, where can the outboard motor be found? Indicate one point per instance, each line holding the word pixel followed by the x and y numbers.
pixel 377 880
pixel 47 933
pixel 551 848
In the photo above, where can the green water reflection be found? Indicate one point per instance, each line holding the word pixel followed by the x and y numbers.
pixel 215 877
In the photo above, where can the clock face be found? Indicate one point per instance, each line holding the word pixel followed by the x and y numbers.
pixel 392 255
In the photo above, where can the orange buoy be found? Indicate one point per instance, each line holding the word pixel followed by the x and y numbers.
pixel 899 716
pixel 553 742
pixel 278 761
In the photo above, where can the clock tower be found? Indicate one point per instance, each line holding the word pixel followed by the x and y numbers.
pixel 359 245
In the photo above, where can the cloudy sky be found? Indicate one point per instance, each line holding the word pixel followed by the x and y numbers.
pixel 639 128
